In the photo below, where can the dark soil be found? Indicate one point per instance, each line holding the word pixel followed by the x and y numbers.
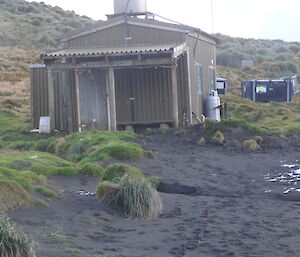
pixel 217 203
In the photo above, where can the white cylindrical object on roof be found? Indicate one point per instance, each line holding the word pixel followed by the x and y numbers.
pixel 134 6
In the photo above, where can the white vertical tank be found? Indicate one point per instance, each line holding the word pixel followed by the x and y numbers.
pixel 213 106
pixel 134 6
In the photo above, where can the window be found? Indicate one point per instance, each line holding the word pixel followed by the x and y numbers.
pixel 198 78
pixel 212 76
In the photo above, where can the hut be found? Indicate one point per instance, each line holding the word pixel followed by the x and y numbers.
pixel 131 71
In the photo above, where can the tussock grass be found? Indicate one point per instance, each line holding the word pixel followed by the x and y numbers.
pixel 46 192
pixel 118 151
pixel 149 154
pixel 250 145
pixel 154 181
pixel 117 171
pixel 13 196
pixel 13 241
pixel 92 169
pixel 201 141
pixel 218 138
pixel 139 198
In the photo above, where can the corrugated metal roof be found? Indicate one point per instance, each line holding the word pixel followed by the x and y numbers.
pixel 107 51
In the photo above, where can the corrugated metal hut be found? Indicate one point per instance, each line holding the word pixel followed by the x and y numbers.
pixel 125 71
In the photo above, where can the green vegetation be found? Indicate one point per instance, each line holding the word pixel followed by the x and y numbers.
pixel 118 151
pixel 201 141
pixel 13 196
pixel 149 154
pixel 261 118
pixel 148 131
pixel 128 188
pixel 103 190
pixel 22 172
pixel 139 198
pixel 13 241
pixel 117 171
pixel 162 131
pixel 35 25
pixel 154 181
pixel 272 58
pixel 234 122
pixel 218 138
pixel 46 192
pixel 92 169
pixel 259 140
pixel 250 145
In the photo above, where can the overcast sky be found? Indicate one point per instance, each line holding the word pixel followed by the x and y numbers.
pixel 266 19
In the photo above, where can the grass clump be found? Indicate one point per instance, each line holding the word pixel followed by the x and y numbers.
pixel 103 189
pixel 13 241
pixel 92 169
pixel 250 145
pixel 13 196
pixel 46 192
pixel 201 141
pixel 60 146
pixel 41 203
pixel 139 199
pixel 218 138
pixel 259 140
pixel 154 181
pixel 117 171
pixel 162 131
pixel 148 131
pixel 149 154
pixel 118 151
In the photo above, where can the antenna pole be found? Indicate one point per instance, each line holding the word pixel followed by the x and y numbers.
pixel 212 16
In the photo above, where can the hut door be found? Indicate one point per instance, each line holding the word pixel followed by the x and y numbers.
pixel 93 99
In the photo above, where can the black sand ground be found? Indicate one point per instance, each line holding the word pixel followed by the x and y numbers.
pixel 232 208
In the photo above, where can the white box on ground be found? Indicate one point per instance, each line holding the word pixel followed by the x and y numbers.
pixel 44 125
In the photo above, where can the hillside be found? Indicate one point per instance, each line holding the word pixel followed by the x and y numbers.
pixel 27 30
pixel 272 59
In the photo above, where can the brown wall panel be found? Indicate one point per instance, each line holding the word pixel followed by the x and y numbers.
pixel 200 52
pixel 143 96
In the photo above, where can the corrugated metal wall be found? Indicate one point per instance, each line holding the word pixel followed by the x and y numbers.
pixel 39 95
pixel 143 96
pixel 183 89
pixel 115 36
pixel 200 52
pixel 65 98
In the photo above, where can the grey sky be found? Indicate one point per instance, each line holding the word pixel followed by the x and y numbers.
pixel 267 19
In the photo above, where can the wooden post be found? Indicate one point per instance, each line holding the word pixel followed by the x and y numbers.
pixel 175 95
pixel 51 99
pixel 111 100
pixel 64 96
pixel 77 99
